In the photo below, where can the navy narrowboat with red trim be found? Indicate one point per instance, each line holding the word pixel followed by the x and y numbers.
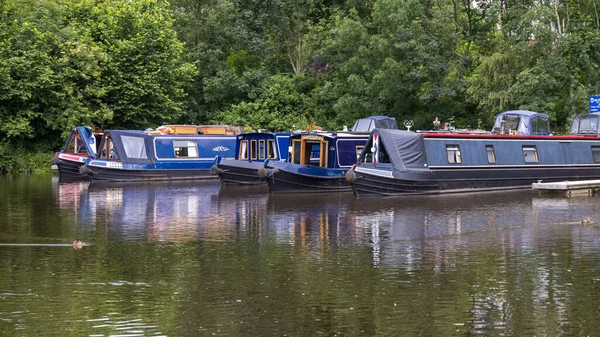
pixel 516 154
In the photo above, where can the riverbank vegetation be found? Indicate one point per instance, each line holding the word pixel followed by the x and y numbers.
pixel 282 65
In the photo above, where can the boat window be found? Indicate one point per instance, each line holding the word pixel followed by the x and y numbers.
pixel 453 154
pixel 75 144
pixel 539 126
pixel 261 149
pixel 272 149
pixel 491 155
pixel 511 123
pixel 530 154
pixel 596 154
pixel 359 150
pixel 185 148
pixel 108 151
pixel 243 150
pixel 134 147
pixel 315 153
pixel 253 149
pixel 296 150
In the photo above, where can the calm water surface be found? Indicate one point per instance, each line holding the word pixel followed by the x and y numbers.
pixel 196 259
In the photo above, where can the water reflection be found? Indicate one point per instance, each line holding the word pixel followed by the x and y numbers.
pixel 197 259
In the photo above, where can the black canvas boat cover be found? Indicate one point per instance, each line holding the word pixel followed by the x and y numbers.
pixel 405 149
pixel 132 146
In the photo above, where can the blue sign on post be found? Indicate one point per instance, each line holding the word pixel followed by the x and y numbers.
pixel 594 104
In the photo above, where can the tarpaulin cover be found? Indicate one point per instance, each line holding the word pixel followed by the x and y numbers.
pixel 374 122
pixel 133 147
pixel 405 149
pixel 524 121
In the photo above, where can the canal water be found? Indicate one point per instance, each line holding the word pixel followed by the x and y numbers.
pixel 198 259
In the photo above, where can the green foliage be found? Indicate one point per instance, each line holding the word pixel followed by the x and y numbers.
pixel 138 64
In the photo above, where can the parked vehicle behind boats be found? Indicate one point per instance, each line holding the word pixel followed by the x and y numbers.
pixel 252 149
pixel 81 146
pixel 404 163
pixel 175 152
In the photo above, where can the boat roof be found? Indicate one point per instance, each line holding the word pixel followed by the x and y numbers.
pixel 368 124
pixel 527 113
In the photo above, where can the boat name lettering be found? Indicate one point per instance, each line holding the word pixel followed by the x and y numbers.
pixel 312 137
pixel 220 149
pixel 114 164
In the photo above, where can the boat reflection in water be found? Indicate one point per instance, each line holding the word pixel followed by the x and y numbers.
pixel 170 212
pixel 397 233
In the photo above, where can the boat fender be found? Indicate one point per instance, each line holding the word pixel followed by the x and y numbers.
pixel 262 172
pixel 351 176
pixel 215 170
pixel 84 169
pixel 266 172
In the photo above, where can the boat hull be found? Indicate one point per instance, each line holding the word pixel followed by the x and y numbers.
pixel 70 167
pixel 379 182
pixel 107 174
pixel 283 181
pixel 238 172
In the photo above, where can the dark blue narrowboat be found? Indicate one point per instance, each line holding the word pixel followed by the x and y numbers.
pixel 252 149
pixel 398 162
pixel 319 160
pixel 182 152
pixel 80 147
pixel 317 163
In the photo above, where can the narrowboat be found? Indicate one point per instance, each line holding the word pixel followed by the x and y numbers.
pixel 177 152
pixel 317 163
pixel 398 162
pixel 251 151
pixel 319 160
pixel 81 146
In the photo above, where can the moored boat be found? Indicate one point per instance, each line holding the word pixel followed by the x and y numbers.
pixel 398 162
pixel 318 163
pixel 176 152
pixel 252 149
pixel 80 147
pixel 319 160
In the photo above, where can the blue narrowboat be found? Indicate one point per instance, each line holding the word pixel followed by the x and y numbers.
pixel 319 160
pixel 405 163
pixel 317 163
pixel 252 149
pixel 81 146
pixel 180 152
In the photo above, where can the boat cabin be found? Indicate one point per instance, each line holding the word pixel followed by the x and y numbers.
pixel 139 147
pixel 586 125
pixel 368 124
pixel 83 141
pixel 262 145
pixel 326 149
pixel 194 130
pixel 522 122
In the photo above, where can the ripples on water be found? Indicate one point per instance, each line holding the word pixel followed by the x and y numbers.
pixel 196 259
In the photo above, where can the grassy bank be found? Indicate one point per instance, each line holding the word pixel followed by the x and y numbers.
pixel 18 159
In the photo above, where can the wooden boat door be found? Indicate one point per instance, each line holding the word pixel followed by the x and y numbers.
pixel 310 150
